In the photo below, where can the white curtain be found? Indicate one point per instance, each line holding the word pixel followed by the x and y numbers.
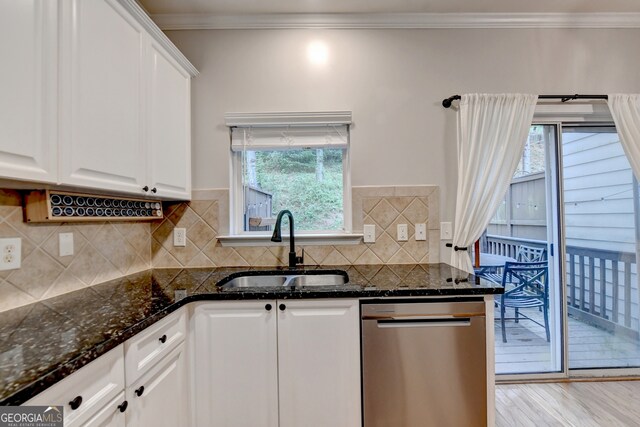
pixel 625 110
pixel 492 132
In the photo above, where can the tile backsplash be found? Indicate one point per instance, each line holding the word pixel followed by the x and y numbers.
pixel 385 207
pixel 107 250
pixel 102 251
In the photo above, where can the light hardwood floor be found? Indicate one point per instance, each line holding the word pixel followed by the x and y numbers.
pixel 583 404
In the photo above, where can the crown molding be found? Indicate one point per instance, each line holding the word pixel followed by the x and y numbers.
pixel 397 20
pixel 288 118
pixel 141 16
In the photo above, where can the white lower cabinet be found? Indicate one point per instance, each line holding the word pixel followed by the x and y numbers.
pixel 277 363
pixel 111 415
pixel 160 397
pixel 95 388
pixel 236 364
pixel 154 391
pixel 319 363
pixel 157 377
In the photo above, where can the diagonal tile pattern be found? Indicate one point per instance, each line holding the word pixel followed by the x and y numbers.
pixel 386 213
pixel 105 251
pixel 102 251
pixel 385 207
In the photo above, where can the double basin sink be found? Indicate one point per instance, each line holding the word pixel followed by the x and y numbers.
pixel 313 278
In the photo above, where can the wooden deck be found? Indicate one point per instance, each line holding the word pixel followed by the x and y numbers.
pixel 527 351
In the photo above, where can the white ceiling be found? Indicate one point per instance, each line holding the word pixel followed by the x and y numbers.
pixel 249 7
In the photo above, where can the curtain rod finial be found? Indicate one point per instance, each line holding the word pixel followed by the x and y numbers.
pixel 446 103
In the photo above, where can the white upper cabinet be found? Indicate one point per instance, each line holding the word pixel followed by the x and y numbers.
pixel 169 125
pixel 28 86
pixel 95 96
pixel 101 92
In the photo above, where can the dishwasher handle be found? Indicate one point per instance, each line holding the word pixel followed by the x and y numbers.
pixel 425 322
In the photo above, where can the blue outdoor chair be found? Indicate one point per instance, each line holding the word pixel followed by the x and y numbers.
pixel 526 285
pixel 531 254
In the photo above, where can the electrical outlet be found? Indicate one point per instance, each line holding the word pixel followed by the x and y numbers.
pixel 10 253
pixel 369 233
pixel 403 233
pixel 180 237
pixel 65 244
pixel 421 231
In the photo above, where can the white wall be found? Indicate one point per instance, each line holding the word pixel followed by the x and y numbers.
pixel 394 81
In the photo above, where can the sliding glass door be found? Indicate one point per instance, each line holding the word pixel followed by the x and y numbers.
pixel 573 207
pixel 600 195
pixel 524 231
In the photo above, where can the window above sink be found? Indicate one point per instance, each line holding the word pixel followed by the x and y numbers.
pixel 294 161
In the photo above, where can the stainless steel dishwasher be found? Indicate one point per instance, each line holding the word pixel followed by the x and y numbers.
pixel 424 363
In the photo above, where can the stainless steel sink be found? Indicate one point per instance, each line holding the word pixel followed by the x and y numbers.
pixel 296 280
pixel 256 282
pixel 317 280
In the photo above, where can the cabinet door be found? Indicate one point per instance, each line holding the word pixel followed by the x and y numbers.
pixel 160 397
pixel 101 132
pixel 93 386
pixel 168 126
pixel 235 370
pixel 109 416
pixel 319 363
pixel 28 86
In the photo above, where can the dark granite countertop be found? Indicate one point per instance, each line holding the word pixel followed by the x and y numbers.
pixel 43 342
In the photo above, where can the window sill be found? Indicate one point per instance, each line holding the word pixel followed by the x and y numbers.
pixel 301 239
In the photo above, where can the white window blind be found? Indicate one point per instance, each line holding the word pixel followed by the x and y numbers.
pixel 260 138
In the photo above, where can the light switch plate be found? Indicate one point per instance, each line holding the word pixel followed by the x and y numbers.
pixel 446 232
pixel 421 231
pixel 180 237
pixel 369 233
pixel 65 244
pixel 403 233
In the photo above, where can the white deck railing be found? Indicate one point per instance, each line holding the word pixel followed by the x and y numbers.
pixel 601 285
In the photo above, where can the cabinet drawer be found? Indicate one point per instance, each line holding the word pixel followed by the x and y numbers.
pixel 148 347
pixel 94 385
pixel 109 416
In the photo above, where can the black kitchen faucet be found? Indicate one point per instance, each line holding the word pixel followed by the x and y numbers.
pixel 277 237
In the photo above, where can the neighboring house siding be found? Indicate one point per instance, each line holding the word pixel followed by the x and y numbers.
pixel 599 208
pixel 598 192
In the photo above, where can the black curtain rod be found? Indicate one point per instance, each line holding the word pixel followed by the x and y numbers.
pixel 446 103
